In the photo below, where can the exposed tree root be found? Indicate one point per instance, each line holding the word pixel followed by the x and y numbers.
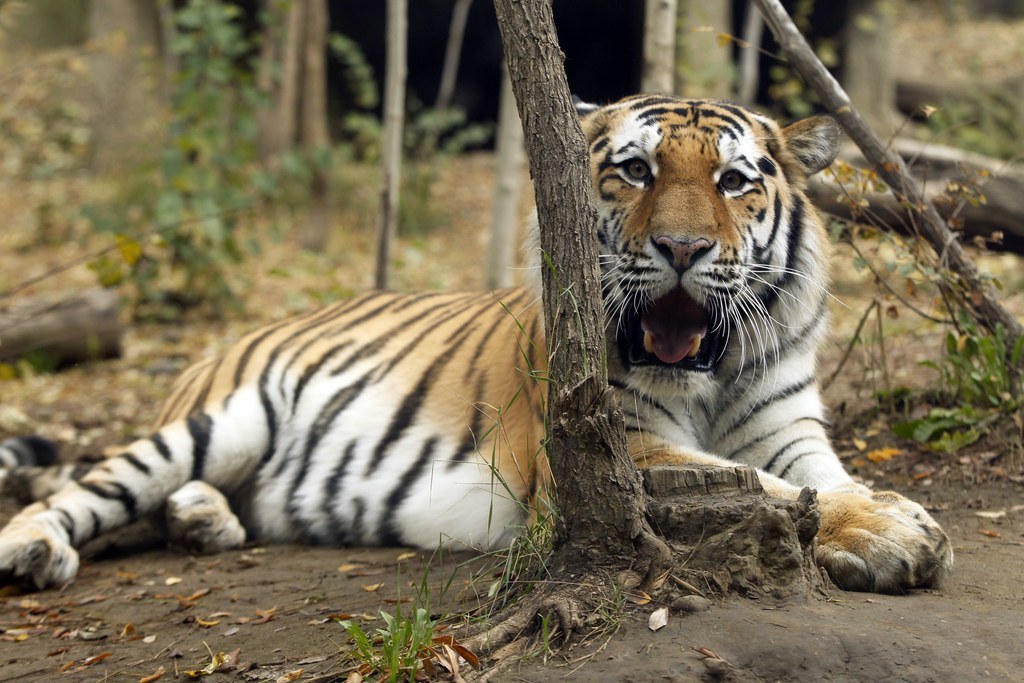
pixel 722 531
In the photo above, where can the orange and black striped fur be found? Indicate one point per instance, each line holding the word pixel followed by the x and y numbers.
pixel 417 418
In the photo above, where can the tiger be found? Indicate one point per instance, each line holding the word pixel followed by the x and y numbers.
pixel 417 419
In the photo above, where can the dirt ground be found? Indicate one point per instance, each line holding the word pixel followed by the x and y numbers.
pixel 127 618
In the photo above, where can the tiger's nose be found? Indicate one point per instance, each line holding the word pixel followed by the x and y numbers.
pixel 681 253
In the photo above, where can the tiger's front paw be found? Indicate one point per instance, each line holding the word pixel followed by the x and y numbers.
pixel 200 519
pixel 32 552
pixel 880 542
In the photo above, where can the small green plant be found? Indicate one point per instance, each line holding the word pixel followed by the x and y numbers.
pixel 397 649
pixel 976 366
pixel 406 646
pixel 976 381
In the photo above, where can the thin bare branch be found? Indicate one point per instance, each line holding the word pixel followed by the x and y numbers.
pixel 975 294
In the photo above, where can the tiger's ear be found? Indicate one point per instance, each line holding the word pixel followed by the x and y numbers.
pixel 583 108
pixel 813 142
pixel 592 120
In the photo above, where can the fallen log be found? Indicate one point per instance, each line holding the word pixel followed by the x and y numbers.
pixel 936 168
pixel 913 95
pixel 62 331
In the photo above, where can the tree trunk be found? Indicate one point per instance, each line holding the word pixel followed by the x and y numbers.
pixel 119 102
pixel 659 46
pixel 704 66
pixel 391 158
pixel 452 54
pixel 866 64
pixel 602 514
pixel 975 294
pixel 313 134
pixel 295 41
pixel 509 166
pixel 81 328
pixel 748 71
pixel 280 76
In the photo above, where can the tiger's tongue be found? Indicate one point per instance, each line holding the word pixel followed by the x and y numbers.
pixel 675 322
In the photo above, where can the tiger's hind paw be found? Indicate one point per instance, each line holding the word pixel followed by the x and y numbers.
pixel 200 519
pixel 31 552
pixel 880 542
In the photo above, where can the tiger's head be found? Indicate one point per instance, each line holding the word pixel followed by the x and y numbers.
pixel 703 222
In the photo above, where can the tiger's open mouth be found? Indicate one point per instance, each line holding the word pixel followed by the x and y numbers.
pixel 673 332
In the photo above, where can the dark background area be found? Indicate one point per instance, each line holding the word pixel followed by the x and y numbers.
pixel 602 41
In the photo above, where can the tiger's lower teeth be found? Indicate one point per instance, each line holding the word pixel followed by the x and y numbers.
pixel 694 347
pixel 648 342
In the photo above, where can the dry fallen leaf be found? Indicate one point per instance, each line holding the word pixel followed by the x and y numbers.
pixel 463 651
pixel 349 566
pixel 89 661
pixel 991 515
pixel 156 675
pixel 883 454
pixel 990 533
pixel 219 662
pixel 290 676
pixel 172 580
pixel 372 587
pixel 149 639
pixel 354 677
pixel 406 556
pixel 128 630
pixel 860 444
pixel 637 597
pixel 265 615
pixel 658 619
pixel 195 596
pixel 207 623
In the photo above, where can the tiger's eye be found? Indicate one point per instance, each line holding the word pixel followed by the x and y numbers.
pixel 637 169
pixel 732 180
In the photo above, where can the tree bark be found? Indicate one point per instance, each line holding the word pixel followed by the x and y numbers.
pixel 391 157
pixel 507 190
pixel 866 64
pixel 295 40
pixel 976 295
pixel 748 71
pixel 452 54
pixel 704 67
pixel 281 49
pixel 313 134
pixel 602 514
pixel 659 46
pixel 118 101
